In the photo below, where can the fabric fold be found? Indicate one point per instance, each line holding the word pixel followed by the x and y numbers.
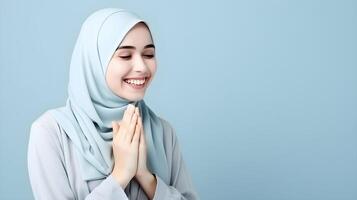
pixel 91 105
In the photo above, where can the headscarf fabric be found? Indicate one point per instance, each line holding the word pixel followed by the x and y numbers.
pixel 92 106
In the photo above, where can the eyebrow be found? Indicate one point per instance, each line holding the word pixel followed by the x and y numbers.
pixel 132 47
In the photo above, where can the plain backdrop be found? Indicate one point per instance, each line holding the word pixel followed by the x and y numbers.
pixel 262 93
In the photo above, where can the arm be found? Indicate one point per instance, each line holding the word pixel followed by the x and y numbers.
pixel 148 182
pixel 181 186
pixel 47 171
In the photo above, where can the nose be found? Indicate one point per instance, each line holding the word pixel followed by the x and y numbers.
pixel 139 64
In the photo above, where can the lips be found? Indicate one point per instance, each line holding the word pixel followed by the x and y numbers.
pixel 137 82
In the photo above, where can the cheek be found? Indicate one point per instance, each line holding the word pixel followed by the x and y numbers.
pixel 152 67
pixel 115 74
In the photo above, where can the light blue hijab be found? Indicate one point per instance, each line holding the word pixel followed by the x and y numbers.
pixel 92 106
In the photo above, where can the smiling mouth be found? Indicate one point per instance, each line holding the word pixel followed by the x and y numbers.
pixel 137 83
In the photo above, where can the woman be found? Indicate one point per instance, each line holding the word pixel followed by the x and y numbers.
pixel 106 143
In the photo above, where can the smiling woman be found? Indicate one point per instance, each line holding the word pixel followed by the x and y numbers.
pixel 136 58
pixel 106 143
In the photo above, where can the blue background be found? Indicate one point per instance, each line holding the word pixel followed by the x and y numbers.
pixel 262 93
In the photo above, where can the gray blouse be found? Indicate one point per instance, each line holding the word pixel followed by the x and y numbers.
pixel 54 171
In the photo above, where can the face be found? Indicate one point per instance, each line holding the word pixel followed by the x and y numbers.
pixel 133 64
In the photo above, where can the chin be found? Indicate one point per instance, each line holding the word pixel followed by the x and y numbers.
pixel 134 98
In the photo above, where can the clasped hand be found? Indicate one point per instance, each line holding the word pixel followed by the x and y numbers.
pixel 129 147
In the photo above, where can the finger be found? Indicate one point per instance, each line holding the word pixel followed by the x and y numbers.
pixel 141 124
pixel 142 137
pixel 131 129
pixel 136 111
pixel 137 134
pixel 128 114
pixel 125 122
pixel 119 133
pixel 139 111
pixel 134 120
pixel 115 128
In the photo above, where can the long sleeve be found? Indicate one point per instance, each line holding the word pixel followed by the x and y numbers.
pixel 181 186
pixel 47 172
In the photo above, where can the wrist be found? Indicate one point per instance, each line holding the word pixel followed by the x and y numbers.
pixel 148 182
pixel 122 180
pixel 143 174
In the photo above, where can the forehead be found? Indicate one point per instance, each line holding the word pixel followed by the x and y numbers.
pixel 138 36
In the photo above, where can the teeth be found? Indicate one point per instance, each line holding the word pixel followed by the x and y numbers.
pixel 135 82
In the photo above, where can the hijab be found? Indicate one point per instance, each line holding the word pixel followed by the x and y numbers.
pixel 91 105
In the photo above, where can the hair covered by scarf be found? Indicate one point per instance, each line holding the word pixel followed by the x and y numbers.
pixel 91 105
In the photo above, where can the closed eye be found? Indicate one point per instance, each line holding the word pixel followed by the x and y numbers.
pixel 125 57
pixel 149 56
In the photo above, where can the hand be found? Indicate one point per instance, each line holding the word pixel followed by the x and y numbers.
pixel 126 135
pixel 145 178
pixel 142 169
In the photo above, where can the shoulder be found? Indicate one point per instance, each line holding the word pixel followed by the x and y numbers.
pixel 166 124
pixel 170 136
pixel 45 147
pixel 45 122
pixel 168 128
pixel 44 130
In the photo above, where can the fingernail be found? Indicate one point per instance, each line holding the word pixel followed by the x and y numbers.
pixel 130 106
